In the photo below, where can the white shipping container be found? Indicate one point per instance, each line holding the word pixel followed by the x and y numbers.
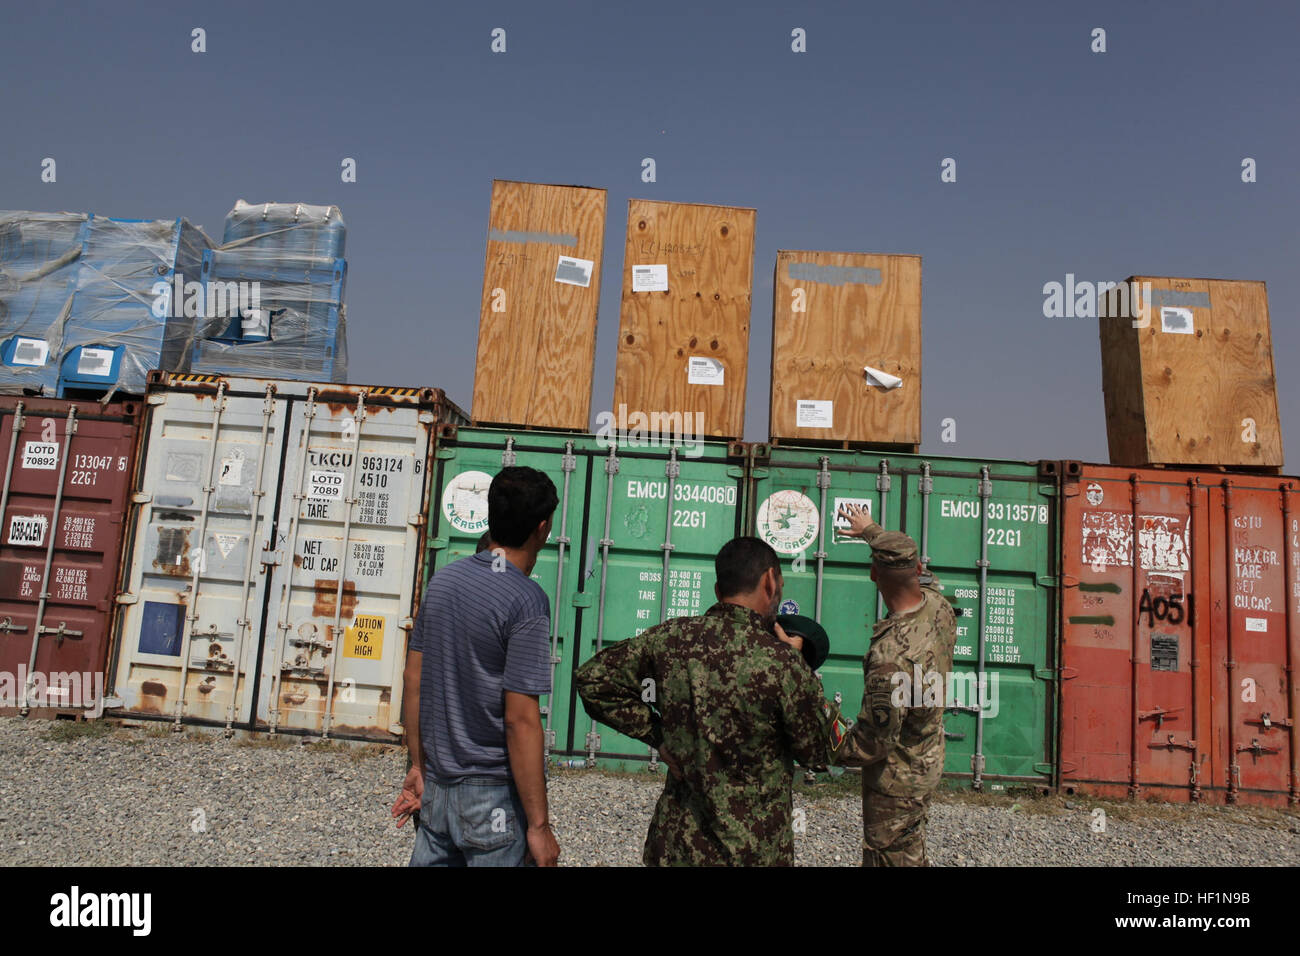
pixel 275 553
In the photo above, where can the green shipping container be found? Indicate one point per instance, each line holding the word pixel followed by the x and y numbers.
pixel 630 518
pixel 988 531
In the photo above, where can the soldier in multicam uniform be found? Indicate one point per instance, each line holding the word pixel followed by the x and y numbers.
pixel 899 748
pixel 730 703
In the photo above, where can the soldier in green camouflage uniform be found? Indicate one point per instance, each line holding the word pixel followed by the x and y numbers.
pixel 899 746
pixel 730 703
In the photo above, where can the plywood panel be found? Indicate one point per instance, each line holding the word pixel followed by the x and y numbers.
pixel 1197 392
pixel 833 314
pixel 537 335
pixel 708 255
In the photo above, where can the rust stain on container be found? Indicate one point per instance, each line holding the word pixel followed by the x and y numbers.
pixel 326 593
pixel 173 555
pixel 153 688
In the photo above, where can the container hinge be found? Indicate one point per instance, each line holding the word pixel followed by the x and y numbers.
pixel 1046 673
pixel 735 471
pixel 758 473
pixel 405 624
pixel 1048 581
pixel 125 598
pixel 140 498
pixel 396 730
pixel 1068 673
pixel 273 560
pixel 415 521
pixel 444 453
pixel 425 418
pixel 582 599
pixel 437 544
pixel 156 399
pixel 7 626
pixel 1069 581
pixel 1044 768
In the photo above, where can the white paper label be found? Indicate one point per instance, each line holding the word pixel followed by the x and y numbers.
pixel 813 414
pixel 28 529
pixel 650 278
pixel 573 271
pixel 41 454
pixel 701 370
pixel 94 361
pixel 1257 624
pixel 881 379
pixel 1176 320
pixel 30 352
pixel 327 485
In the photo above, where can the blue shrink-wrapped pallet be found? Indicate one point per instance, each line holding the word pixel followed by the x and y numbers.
pixel 132 311
pixel 290 321
pixel 39 256
pixel 296 229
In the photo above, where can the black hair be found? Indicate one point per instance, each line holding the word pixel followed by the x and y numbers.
pixel 741 563
pixel 484 542
pixel 519 499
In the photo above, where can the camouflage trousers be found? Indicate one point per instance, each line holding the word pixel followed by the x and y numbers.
pixel 893 829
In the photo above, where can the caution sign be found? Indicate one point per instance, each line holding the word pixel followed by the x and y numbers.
pixel 365 638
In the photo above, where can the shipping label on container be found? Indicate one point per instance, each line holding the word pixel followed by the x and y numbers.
pixel 41 455
pixel 1252 565
pixel 1107 541
pixel 841 524
pixel 325 485
pixel 28 530
pixel 30 581
pixel 71 584
pixel 86 470
pixel 382 485
pixel 364 640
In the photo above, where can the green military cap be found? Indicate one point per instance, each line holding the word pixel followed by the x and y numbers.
pixel 816 643
pixel 893 549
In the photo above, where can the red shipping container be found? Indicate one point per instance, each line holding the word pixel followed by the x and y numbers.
pixel 1179 643
pixel 67 473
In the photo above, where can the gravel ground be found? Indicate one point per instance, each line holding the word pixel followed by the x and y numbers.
pixel 92 794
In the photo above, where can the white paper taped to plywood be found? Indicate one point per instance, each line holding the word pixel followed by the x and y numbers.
pixel 881 379
pixel 701 370
pixel 650 278
pixel 1176 320
pixel 573 271
pixel 814 414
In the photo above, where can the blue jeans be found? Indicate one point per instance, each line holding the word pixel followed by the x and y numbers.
pixel 475 821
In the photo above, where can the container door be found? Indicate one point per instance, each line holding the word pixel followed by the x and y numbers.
pixel 1135 642
pixel 347 548
pixel 1007 734
pixel 1254 711
pixel 62 542
pixel 652 560
pixel 458 517
pixel 189 631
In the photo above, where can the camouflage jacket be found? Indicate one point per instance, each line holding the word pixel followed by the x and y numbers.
pixel 734 707
pixel 899 744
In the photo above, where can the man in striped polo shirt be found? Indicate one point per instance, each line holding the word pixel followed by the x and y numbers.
pixel 478 660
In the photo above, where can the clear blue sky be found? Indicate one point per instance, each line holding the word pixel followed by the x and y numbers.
pixel 1101 165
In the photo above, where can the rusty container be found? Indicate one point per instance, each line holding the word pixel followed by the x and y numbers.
pixel 67 470
pixel 1179 643
pixel 276 550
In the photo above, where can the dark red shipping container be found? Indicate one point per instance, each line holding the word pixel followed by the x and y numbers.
pixel 1179 643
pixel 60 547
